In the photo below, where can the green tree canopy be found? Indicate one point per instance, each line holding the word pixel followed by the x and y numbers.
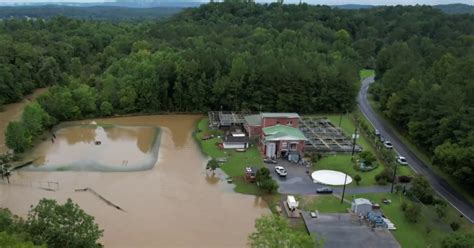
pixel 77 228
pixel 274 231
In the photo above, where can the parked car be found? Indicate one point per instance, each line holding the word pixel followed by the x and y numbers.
pixel 281 171
pixel 381 138
pixel 377 132
pixel 313 214
pixel 388 144
pixel 324 190
pixel 402 160
pixel 269 161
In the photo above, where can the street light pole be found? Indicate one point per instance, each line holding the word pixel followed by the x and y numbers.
pixel 344 188
pixel 354 141
pixel 394 177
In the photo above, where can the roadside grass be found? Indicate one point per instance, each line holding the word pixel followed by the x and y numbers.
pixel 323 203
pixel 344 164
pixel 423 155
pixel 427 232
pixel 236 161
pixel 365 73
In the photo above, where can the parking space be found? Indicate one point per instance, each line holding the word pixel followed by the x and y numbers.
pixel 298 181
pixel 347 230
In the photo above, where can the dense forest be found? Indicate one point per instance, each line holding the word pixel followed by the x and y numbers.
pixel 246 56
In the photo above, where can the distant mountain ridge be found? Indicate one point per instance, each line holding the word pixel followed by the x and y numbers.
pixel 88 12
pixel 126 9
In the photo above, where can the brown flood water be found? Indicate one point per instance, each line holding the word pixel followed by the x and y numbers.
pixel 13 112
pixel 174 204
pixel 121 148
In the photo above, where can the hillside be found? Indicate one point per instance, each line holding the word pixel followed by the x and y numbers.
pixel 88 13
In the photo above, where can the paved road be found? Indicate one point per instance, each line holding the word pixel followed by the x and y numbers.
pixel 438 183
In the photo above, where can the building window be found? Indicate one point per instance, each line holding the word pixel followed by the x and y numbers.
pixel 290 123
pixel 278 122
pixel 293 146
pixel 284 145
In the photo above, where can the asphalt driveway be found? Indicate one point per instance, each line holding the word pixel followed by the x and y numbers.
pixel 299 181
pixel 346 230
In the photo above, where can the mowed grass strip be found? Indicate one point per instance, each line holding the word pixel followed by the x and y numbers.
pixel 365 73
pixel 323 203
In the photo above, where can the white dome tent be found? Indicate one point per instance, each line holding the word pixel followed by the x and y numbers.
pixel 330 177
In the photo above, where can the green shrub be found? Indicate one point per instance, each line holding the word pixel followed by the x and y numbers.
pixel 454 226
pixel 412 212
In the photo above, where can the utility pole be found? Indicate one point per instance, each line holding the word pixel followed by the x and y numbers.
pixel 344 188
pixel 340 120
pixel 354 137
pixel 394 177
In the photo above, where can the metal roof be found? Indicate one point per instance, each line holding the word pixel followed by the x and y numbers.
pixel 280 115
pixel 282 132
pixel 361 201
pixel 253 120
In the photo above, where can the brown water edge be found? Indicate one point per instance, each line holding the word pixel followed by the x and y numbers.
pixel 175 204
pixel 122 148
pixel 12 112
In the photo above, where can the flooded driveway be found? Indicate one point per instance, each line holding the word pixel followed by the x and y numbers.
pixel 177 203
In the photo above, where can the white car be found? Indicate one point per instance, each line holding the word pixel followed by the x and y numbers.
pixel 402 160
pixel 377 132
pixel 388 144
pixel 281 171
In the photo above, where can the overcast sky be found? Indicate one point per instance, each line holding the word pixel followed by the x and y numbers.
pixel 328 2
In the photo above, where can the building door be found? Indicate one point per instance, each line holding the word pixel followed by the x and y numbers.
pixel 270 149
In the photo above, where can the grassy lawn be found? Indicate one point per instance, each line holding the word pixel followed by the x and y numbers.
pixel 236 161
pixel 423 156
pixel 344 164
pixel 366 73
pixel 323 203
pixel 427 232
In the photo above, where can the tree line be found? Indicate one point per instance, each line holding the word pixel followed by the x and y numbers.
pixel 425 83
pixel 49 224
pixel 256 57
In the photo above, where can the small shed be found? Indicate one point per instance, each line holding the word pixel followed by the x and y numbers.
pixel 236 142
pixel 361 206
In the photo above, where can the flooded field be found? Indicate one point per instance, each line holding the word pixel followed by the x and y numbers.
pixel 177 203
pixel 94 147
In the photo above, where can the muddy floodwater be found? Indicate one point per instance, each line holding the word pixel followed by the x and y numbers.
pixel 176 203
pixel 95 147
